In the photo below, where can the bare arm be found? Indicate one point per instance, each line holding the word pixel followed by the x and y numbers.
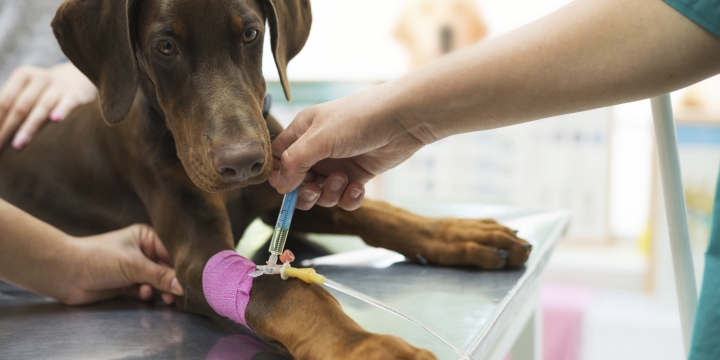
pixel 44 260
pixel 589 54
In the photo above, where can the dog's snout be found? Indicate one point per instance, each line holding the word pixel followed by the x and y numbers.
pixel 238 162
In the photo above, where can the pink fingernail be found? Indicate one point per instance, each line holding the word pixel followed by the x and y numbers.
pixel 310 195
pixel 337 183
pixel 56 117
pixel 20 141
pixel 355 193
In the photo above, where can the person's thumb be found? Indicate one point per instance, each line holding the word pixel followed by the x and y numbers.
pixel 158 276
pixel 297 160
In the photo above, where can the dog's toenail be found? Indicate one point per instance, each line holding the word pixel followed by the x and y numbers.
pixel 503 254
pixel 515 231
pixel 528 247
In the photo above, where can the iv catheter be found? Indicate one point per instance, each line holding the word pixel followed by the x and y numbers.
pixel 277 246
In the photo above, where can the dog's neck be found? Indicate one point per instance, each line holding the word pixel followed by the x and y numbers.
pixel 147 90
pixel 151 123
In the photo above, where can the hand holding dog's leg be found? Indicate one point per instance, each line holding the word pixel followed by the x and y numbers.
pixel 44 260
pixel 128 262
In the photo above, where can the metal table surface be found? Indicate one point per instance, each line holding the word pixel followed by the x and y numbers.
pixel 470 308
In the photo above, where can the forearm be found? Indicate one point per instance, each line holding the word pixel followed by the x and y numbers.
pixel 589 54
pixel 32 252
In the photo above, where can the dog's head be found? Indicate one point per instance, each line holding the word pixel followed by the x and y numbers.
pixel 203 61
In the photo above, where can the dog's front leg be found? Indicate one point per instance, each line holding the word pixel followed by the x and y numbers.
pixel 481 243
pixel 310 323
pixel 194 227
pixel 305 319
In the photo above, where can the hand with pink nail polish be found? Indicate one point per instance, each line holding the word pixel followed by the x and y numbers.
pixel 34 95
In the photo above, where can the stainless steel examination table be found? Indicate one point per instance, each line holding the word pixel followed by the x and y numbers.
pixel 485 314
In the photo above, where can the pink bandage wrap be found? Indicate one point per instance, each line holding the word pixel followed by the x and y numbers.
pixel 226 284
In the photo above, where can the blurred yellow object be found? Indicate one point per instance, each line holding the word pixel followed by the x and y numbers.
pixel 432 28
pixel 644 241
pixel 307 275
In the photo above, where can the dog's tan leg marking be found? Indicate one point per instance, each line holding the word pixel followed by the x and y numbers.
pixel 310 323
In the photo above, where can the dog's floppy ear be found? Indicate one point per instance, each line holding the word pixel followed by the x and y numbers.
pixel 289 22
pixel 95 36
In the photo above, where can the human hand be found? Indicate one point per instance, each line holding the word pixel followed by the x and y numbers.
pixel 336 147
pixel 127 262
pixel 32 95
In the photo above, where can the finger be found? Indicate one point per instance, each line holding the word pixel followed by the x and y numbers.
pixel 309 195
pixel 36 119
pixel 310 176
pixel 151 245
pixel 163 278
pixel 14 85
pixel 20 109
pixel 145 292
pixel 168 298
pixel 333 189
pixel 63 108
pixel 467 253
pixel 294 165
pixel 353 197
pixel 283 141
pixel 349 167
pixel 163 256
pixel 132 291
pixel 297 160
pixel 293 132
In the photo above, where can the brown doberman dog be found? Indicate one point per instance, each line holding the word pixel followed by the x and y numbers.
pixel 190 154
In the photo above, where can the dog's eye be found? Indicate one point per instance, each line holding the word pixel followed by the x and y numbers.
pixel 249 35
pixel 166 47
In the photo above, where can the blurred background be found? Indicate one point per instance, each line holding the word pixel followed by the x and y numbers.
pixel 609 290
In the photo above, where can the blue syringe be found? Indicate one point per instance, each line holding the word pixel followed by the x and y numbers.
pixel 282 227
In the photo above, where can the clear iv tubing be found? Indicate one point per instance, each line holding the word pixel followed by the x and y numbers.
pixel 360 296
pixel 282 227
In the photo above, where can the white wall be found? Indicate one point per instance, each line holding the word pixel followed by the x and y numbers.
pixel 352 40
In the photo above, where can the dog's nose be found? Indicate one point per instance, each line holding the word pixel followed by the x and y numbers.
pixel 238 162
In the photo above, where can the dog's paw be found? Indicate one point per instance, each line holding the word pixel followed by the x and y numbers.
pixel 482 243
pixel 386 347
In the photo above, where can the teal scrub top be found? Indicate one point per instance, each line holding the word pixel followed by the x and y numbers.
pixel 706 332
